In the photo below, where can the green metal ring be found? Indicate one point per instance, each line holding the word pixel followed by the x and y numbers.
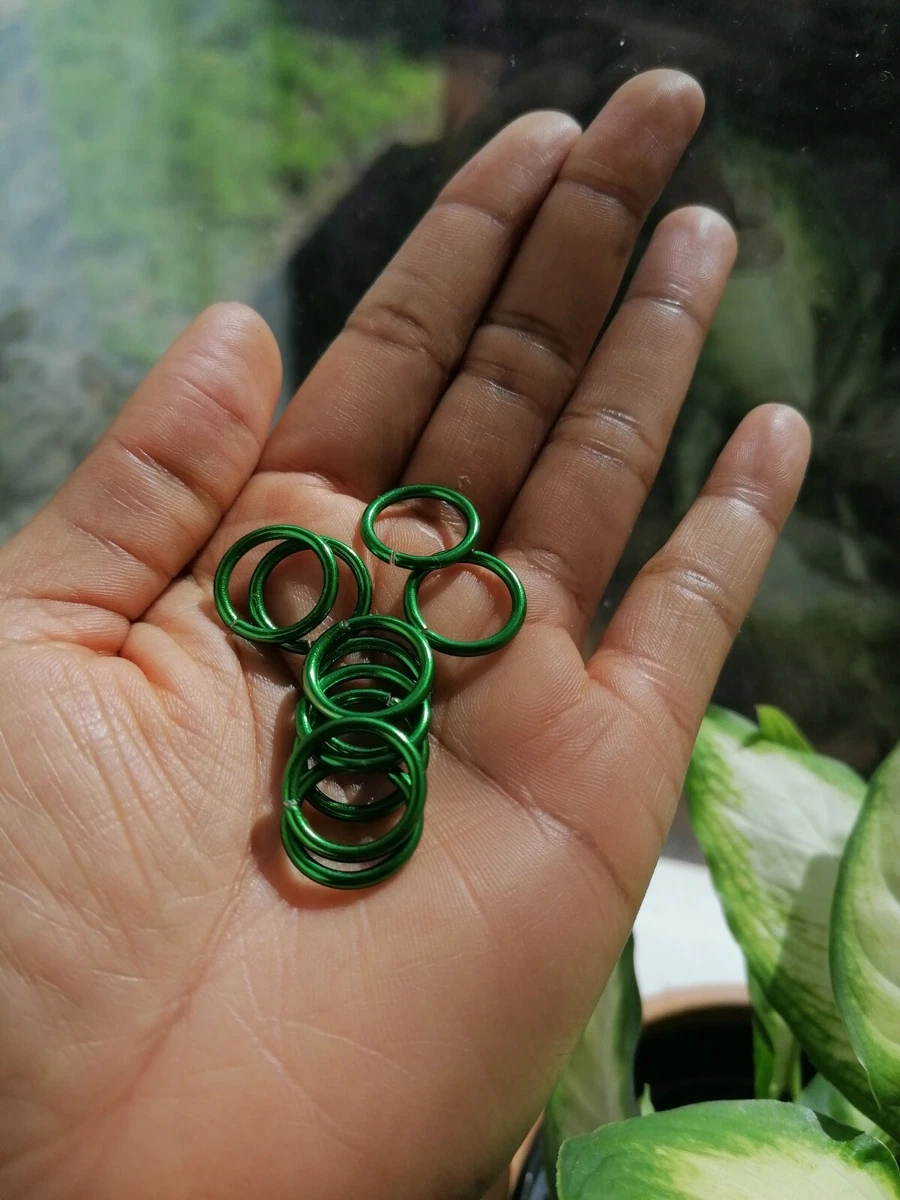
pixel 265 567
pixel 332 645
pixel 345 880
pixel 354 673
pixel 420 491
pixel 299 779
pixel 340 809
pixel 373 645
pixel 497 640
pixel 354 852
pixel 288 634
pixel 364 670
pixel 344 756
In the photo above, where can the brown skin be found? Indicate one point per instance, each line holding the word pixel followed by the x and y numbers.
pixel 180 1014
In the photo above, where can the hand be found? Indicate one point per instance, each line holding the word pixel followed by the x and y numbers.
pixel 181 1014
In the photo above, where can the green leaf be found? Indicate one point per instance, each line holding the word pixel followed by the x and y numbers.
pixel 765 332
pixel 773 823
pixel 776 1052
pixel 794 297
pixel 597 1086
pixel 865 936
pixel 728 1150
pixel 776 726
pixel 823 1097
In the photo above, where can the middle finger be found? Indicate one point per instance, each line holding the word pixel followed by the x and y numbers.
pixel 524 359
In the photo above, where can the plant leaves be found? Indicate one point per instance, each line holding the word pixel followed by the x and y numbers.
pixel 776 1052
pixel 776 726
pixel 765 332
pixel 786 326
pixel 597 1086
pixel 728 1150
pixel 773 823
pixel 823 1097
pixel 865 935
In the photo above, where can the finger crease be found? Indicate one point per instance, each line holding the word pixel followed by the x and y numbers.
pixel 552 565
pixel 747 497
pixel 210 396
pixel 144 458
pixel 503 382
pixel 592 446
pixel 327 481
pixel 658 677
pixel 649 735
pixel 393 326
pixel 596 185
pixel 630 425
pixel 537 333
pixel 110 543
pixel 698 586
pixel 502 221
pixel 671 304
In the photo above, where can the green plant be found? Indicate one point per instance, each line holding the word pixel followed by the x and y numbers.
pixel 198 141
pixel 811 315
pixel 806 861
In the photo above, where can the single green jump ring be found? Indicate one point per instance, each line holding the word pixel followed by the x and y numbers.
pixel 359 671
pixel 344 756
pixel 476 558
pixel 354 673
pixel 265 567
pixel 420 491
pixel 373 645
pixel 344 852
pixel 361 762
pixel 345 880
pixel 341 810
pixel 333 644
pixel 290 634
pixel 300 779
pixel 352 852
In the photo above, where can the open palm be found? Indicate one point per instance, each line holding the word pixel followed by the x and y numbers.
pixel 181 1014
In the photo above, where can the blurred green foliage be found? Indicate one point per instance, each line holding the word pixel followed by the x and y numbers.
pixel 197 138
pixel 809 318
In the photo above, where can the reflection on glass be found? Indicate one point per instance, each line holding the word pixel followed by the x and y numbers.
pixel 157 156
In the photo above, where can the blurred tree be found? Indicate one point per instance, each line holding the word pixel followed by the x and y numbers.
pixel 417 25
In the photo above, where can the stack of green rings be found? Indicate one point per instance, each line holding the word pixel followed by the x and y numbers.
pixel 366 717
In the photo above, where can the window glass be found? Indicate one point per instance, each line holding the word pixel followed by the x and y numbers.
pixel 159 154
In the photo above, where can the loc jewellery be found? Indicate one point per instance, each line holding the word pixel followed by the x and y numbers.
pixel 361 718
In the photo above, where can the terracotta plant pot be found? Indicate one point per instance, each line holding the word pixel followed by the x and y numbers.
pixel 696 1045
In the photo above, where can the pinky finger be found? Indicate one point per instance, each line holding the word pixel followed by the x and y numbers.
pixel 665 647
